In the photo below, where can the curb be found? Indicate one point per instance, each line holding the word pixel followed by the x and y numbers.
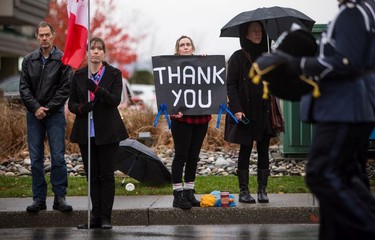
pixel 166 216
pixel 157 210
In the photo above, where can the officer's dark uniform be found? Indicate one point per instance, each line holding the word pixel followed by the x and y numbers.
pixel 344 115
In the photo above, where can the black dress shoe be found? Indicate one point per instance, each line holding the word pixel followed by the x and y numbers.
pixel 92 225
pixel 106 224
pixel 60 204
pixel 36 206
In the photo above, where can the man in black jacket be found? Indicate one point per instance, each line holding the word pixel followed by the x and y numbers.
pixel 44 89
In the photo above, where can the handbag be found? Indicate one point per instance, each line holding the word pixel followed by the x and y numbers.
pixel 277 121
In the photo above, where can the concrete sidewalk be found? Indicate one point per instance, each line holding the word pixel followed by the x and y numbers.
pixel 158 210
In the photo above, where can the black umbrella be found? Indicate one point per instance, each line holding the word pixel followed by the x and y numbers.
pixel 275 20
pixel 141 163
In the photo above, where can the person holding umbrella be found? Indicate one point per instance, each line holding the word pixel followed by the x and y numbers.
pixel 253 112
pixel 106 129
pixel 188 132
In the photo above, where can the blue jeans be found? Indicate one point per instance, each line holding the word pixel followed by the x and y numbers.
pixel 54 126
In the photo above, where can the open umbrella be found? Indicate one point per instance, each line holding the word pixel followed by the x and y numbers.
pixel 141 163
pixel 275 20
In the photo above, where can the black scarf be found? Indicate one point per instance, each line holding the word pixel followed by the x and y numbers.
pixel 255 50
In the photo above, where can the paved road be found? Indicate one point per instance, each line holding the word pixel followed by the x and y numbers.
pixel 179 232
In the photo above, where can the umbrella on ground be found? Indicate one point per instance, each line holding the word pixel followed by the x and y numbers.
pixel 276 20
pixel 141 163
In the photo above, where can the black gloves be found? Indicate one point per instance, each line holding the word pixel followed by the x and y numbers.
pixel 91 86
pixel 98 91
pixel 85 107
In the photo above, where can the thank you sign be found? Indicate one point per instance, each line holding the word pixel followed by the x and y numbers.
pixel 193 85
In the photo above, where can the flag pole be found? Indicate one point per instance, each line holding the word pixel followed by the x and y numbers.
pixel 88 120
pixel 74 54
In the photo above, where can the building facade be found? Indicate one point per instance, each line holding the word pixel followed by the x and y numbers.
pixel 18 19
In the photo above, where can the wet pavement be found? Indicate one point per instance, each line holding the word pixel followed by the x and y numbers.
pixel 180 232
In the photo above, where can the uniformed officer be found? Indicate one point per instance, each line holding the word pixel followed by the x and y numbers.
pixel 344 116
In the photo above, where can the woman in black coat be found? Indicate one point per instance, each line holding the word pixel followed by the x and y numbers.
pixel 246 102
pixel 107 129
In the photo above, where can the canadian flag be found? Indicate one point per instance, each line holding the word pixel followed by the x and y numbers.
pixel 76 40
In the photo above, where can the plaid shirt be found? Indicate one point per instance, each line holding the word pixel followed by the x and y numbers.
pixel 194 119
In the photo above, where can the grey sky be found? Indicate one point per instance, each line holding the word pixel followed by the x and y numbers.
pixel 165 20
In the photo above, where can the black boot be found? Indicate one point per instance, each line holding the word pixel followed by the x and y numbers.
pixel 262 185
pixel 191 198
pixel 180 200
pixel 60 204
pixel 36 206
pixel 243 180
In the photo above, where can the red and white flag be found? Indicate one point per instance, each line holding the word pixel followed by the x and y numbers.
pixel 76 40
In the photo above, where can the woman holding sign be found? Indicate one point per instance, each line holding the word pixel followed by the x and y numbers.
pixel 251 110
pixel 188 133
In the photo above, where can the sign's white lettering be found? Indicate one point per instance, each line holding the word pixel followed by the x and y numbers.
pixel 190 75
pixel 190 84
pixel 190 97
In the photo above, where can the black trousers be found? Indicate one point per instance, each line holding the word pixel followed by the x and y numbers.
pixel 102 180
pixel 263 156
pixel 188 140
pixel 335 175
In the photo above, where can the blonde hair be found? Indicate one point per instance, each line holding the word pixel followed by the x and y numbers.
pixel 177 46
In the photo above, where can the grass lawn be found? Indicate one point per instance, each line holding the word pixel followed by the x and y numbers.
pixel 21 186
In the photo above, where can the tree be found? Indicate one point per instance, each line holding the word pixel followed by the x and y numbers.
pixel 57 16
pixel 120 46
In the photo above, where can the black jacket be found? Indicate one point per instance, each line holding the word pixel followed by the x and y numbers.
pixel 108 124
pixel 245 97
pixel 45 84
pixel 347 87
